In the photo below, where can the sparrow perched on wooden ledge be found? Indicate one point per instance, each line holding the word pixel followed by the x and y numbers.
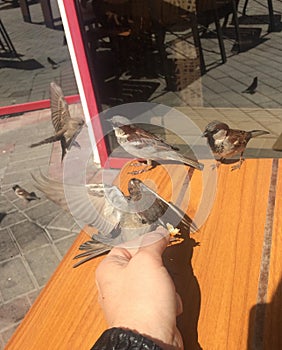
pixel 225 142
pixel 144 145
pixel 117 217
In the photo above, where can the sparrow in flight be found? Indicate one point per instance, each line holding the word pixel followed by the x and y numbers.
pixel 23 194
pixel 66 127
pixel 225 142
pixel 117 217
pixel 252 88
pixel 144 145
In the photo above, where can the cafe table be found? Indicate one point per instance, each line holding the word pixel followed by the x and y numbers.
pixel 228 273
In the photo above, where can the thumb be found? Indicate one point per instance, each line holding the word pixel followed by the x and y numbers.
pixel 155 242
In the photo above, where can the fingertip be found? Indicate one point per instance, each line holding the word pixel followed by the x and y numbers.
pixel 156 240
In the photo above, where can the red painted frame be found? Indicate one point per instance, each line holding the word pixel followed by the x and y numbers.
pixel 33 106
pixel 83 77
pixel 84 82
pixel 87 86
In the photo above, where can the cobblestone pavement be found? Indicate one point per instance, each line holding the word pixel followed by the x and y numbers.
pixel 28 80
pixel 35 237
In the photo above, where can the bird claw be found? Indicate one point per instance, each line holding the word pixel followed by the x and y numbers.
pixel 135 164
pixel 216 165
pixel 237 166
pixel 175 240
pixel 137 172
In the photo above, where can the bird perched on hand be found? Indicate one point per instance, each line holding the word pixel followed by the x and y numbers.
pixel 252 88
pixel 117 217
pixel 23 194
pixel 145 145
pixel 225 142
pixel 66 127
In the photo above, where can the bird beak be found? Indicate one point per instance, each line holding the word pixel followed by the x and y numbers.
pixel 204 134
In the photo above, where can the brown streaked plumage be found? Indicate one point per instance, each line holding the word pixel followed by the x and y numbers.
pixel 144 145
pixel 225 142
pixel 66 127
pixel 23 194
pixel 117 217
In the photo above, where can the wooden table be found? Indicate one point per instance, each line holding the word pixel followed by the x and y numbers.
pixel 230 283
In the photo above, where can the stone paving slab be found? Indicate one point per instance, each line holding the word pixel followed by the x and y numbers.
pixel 42 262
pixel 15 279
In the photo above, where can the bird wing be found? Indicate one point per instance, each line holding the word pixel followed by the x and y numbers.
pixel 172 214
pixel 239 138
pixel 21 191
pixel 88 204
pixel 104 207
pixel 145 138
pixel 155 147
pixel 71 135
pixel 59 108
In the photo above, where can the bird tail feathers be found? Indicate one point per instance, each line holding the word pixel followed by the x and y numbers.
pixel 92 249
pixel 48 140
pixel 33 195
pixel 193 163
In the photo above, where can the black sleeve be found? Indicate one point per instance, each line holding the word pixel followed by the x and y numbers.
pixel 121 339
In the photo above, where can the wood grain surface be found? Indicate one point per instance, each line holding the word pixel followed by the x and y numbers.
pixel 216 270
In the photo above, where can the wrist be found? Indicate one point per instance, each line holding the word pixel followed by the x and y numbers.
pixel 122 338
pixel 166 339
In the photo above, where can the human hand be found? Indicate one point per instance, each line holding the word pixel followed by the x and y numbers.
pixel 137 293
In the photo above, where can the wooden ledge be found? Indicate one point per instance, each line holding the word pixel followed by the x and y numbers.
pixel 217 271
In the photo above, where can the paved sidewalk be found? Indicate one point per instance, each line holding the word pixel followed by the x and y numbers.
pixel 28 80
pixel 33 237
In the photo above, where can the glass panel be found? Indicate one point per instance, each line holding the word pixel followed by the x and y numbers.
pixel 197 56
pixel 25 70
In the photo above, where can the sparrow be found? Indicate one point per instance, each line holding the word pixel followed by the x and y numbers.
pixel 53 64
pixel 225 142
pixel 117 217
pixel 252 88
pixel 23 194
pixel 145 145
pixel 66 127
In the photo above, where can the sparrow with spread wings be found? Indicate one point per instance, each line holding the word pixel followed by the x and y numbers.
pixel 117 217
pixel 66 127
pixel 225 142
pixel 144 145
